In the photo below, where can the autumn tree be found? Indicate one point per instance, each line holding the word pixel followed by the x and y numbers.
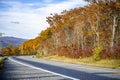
pixel 10 50
pixel 80 32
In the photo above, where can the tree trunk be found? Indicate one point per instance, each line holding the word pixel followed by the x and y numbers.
pixel 113 32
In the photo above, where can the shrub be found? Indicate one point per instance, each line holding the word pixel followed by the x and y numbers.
pixel 73 54
pixel 107 53
pixel 96 52
pixel 39 53
pixel 77 53
pixel 2 59
pixel 117 52
pixel 63 51
pixel 86 52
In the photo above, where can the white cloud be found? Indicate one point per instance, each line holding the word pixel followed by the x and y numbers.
pixel 31 16
pixel 48 1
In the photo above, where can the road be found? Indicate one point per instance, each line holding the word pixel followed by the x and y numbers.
pixel 27 67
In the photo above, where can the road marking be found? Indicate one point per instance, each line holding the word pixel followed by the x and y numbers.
pixel 42 69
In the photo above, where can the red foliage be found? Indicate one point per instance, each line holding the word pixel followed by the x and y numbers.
pixel 117 50
pixel 86 52
pixel 63 51
pixel 108 53
pixel 73 54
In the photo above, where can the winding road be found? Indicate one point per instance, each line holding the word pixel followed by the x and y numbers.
pixel 29 68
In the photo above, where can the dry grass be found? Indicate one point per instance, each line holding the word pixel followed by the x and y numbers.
pixel 113 63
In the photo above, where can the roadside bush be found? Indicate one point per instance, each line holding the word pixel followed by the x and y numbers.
pixel 73 54
pixel 96 52
pixel 107 53
pixel 2 59
pixel 117 52
pixel 86 52
pixel 63 51
pixel 39 54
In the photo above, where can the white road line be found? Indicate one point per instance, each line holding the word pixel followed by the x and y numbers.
pixel 31 66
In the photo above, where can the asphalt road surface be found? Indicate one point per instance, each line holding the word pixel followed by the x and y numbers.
pixel 29 68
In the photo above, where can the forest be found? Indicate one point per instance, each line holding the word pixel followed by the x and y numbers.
pixel 92 30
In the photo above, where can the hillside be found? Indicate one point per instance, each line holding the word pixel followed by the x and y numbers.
pixel 5 41
pixel 90 31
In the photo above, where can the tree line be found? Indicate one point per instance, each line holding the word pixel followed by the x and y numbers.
pixel 93 30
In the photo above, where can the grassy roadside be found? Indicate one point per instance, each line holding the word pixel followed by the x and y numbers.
pixel 113 63
pixel 2 59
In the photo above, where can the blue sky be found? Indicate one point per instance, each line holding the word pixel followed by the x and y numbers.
pixel 27 18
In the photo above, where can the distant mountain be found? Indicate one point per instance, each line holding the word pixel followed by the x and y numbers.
pixel 5 41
